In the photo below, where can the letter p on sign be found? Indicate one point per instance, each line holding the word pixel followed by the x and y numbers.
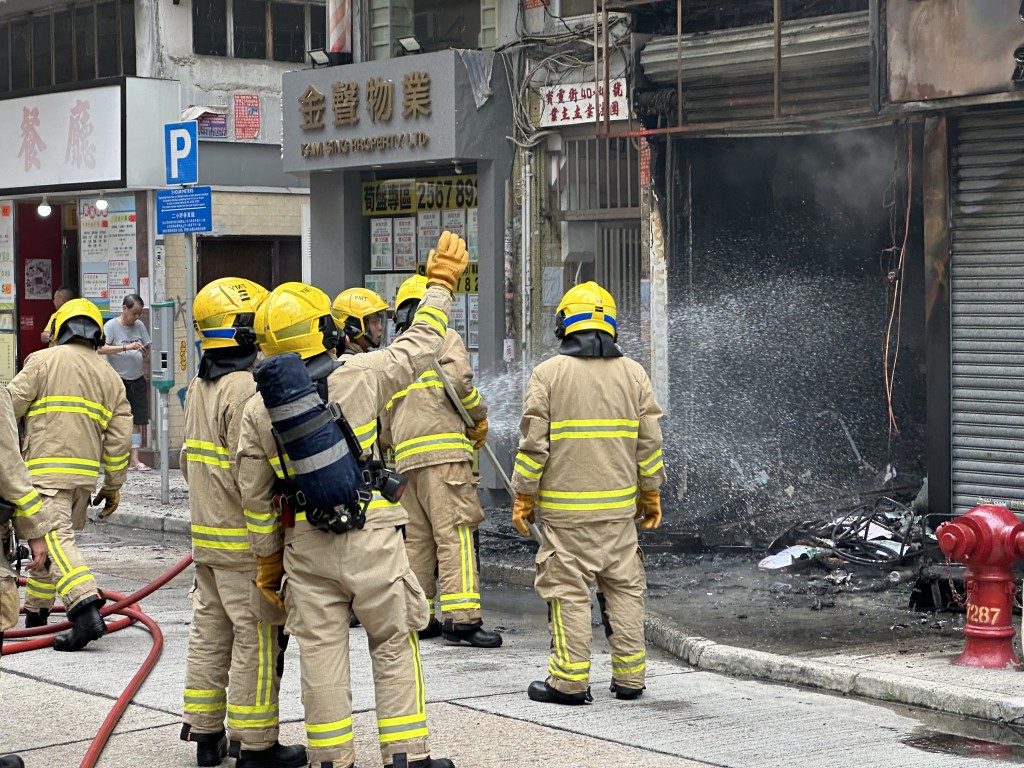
pixel 181 153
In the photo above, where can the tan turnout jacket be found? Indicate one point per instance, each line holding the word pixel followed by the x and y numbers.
pixel 77 418
pixel 422 424
pixel 362 387
pixel 15 485
pixel 590 439
pixel 213 421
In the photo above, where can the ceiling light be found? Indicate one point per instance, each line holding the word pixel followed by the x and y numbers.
pixel 101 204
pixel 410 44
pixel 44 209
pixel 457 167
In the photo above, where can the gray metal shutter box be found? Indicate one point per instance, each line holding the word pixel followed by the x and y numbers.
pixel 987 308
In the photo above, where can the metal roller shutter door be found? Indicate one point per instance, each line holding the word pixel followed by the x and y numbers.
pixel 987 308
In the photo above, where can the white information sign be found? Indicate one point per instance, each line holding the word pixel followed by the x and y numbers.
pixel 381 244
pixel 574 103
pixel 107 248
pixel 119 273
pixel 472 233
pixel 473 323
pixel 405 243
pixel 454 221
pixel 428 229
pixel 94 285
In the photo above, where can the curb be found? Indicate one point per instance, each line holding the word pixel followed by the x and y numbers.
pixel 707 655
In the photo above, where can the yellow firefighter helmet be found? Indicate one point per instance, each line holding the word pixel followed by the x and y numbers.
pixel 585 307
pixel 296 317
pixel 353 306
pixel 78 318
pixel 408 299
pixel 224 312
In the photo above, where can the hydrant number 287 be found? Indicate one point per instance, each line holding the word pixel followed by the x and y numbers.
pixel 982 614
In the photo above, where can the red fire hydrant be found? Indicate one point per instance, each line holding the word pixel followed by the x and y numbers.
pixel 988 540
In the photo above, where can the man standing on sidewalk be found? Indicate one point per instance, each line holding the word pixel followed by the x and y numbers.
pixel 590 440
pixel 434 450
pixel 127 348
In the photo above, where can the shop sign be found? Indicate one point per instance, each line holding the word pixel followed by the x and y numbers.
pixel 468 283
pixel 575 103
pixel 351 101
pixel 399 196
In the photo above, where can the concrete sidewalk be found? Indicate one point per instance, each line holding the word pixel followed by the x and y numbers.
pixel 921 679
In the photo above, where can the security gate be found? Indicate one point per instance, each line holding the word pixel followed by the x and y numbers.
pixel 987 308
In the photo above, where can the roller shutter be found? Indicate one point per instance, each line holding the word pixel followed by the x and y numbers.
pixel 987 308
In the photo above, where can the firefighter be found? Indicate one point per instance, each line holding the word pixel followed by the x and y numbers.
pixel 359 312
pixel 590 455
pixel 434 450
pixel 77 420
pixel 364 569
pixel 233 640
pixel 29 521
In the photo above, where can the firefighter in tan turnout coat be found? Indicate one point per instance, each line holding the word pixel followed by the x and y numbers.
pixel 30 522
pixel 434 449
pixel 77 420
pixel 364 569
pixel 589 461
pixel 232 665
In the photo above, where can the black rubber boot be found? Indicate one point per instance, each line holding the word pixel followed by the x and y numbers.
pixel 36 618
pixel 11 761
pixel 539 690
pixel 211 748
pixel 277 756
pixel 89 626
pixel 472 634
pixel 400 761
pixel 432 630
pixel 626 693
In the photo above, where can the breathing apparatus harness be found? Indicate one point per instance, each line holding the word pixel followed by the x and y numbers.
pixel 290 496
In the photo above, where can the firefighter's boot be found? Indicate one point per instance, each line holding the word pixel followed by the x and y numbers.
pixel 626 693
pixel 277 756
pixel 11 761
pixel 36 618
pixel 401 761
pixel 211 748
pixel 539 690
pixel 89 626
pixel 432 630
pixel 473 634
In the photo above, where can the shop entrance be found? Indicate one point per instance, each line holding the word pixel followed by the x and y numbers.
pixel 39 273
pixel 267 261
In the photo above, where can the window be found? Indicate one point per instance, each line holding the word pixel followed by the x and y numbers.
pixel 250 29
pixel 288 25
pixel 437 24
pixel 577 8
pixel 210 27
pixel 68 45
pixel 278 30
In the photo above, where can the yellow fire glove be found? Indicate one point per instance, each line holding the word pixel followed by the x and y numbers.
pixel 648 506
pixel 269 572
pixel 447 262
pixel 110 498
pixel 522 513
pixel 478 433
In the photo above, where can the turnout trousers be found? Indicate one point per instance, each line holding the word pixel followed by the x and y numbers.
pixel 570 561
pixel 444 513
pixel 327 576
pixel 234 660
pixel 67 574
pixel 9 601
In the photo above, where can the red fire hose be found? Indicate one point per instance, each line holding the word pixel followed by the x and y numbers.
pixel 123 606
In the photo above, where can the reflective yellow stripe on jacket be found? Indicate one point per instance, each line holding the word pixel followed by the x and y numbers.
pixel 446 441
pixel 527 467
pixel 71 404
pixel 27 505
pixel 575 429
pixel 203 452
pixel 650 466
pixel 426 381
pixel 581 501
pixel 59 465
pixel 212 537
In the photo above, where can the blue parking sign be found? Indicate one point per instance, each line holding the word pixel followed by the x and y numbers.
pixel 181 153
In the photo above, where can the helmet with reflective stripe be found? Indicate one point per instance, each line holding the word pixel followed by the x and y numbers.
pixel 296 317
pixel 224 312
pixel 353 307
pixel 78 319
pixel 408 299
pixel 585 307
